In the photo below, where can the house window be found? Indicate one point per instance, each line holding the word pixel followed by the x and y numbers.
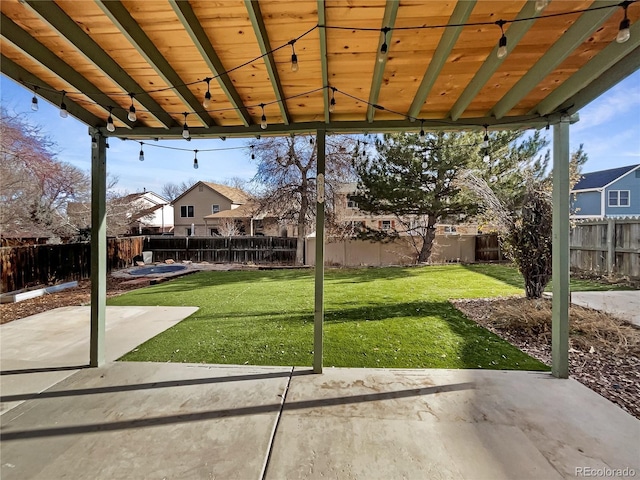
pixel 449 229
pixel 187 232
pixel 215 208
pixel 186 211
pixel 214 232
pixel 618 198
pixel 352 204
pixel 386 224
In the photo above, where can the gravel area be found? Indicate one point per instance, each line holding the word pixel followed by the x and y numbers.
pixel 604 356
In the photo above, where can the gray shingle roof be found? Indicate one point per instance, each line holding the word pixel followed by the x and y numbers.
pixel 601 178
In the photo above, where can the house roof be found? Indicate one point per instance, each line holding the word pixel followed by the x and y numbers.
pixel 440 70
pixel 234 195
pixel 243 211
pixel 602 178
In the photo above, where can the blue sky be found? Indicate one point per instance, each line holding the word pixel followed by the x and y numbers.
pixel 609 128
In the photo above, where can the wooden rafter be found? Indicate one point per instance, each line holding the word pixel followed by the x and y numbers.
pixel 388 21
pixel 199 37
pixel 42 55
pixel 53 15
pixel 574 36
pixel 255 16
pixel 127 25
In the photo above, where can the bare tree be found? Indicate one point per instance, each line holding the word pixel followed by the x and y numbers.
pixel 228 228
pixel 286 177
pixel 171 190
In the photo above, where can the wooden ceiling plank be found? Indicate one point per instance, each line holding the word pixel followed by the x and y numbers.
pixel 127 25
pixel 322 20
pixel 46 58
pixel 199 37
pixel 55 17
pixel 561 49
pixel 388 21
pixel 449 38
pixel 603 61
pixel 22 76
pixel 614 75
pixel 255 16
pixel 514 33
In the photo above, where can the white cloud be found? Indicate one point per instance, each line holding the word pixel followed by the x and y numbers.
pixel 622 99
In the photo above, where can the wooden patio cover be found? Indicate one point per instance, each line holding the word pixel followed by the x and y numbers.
pixel 441 69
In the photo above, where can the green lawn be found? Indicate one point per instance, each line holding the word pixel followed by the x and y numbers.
pixel 386 317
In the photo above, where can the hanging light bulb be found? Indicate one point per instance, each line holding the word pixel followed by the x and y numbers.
pixel 294 57
pixel 141 156
pixel 624 33
pixel 185 128
pixel 132 110
pixel 195 159
pixel 110 126
pixel 34 100
pixel 502 44
pixel 332 103
pixel 485 141
pixel 63 106
pixel 541 5
pixel 206 103
pixel 263 119
pixel 486 157
pixel 422 129
pixel 382 54
pixel 253 155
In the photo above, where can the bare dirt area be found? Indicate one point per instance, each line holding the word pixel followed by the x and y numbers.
pixel 80 295
pixel 604 352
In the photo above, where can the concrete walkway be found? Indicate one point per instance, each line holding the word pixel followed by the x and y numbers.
pixel 39 351
pixel 621 304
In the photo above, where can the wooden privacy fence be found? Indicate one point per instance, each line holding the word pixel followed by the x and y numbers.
pixel 278 250
pixel 488 248
pixel 33 265
pixel 607 247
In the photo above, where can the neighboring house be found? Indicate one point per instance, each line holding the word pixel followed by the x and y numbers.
pixel 153 214
pixel 607 193
pixel 200 201
pixel 243 221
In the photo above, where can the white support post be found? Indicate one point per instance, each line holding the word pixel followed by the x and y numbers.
pixel 98 247
pixel 319 267
pixel 560 251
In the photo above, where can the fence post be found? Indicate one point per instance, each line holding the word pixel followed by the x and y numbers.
pixel 98 248
pixel 611 245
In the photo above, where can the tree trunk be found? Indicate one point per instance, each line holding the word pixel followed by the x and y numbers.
pixel 427 243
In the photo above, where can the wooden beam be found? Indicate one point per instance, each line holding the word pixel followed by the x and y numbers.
pixel 322 20
pixel 120 16
pixel 33 49
pixel 98 248
pixel 514 33
pixel 24 78
pixel 388 21
pixel 581 29
pixel 255 16
pixel 447 42
pixel 200 39
pixel 560 251
pixel 613 53
pixel 318 318
pixel 621 70
pixel 55 17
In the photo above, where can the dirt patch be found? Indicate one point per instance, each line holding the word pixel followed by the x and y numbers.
pixel 604 352
pixel 80 295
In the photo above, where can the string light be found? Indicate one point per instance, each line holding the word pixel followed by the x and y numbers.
pixel 541 5
pixel 421 129
pixel 206 103
pixel 253 155
pixel 185 128
pixel 195 159
pixel 63 106
pixel 141 156
pixel 502 44
pixel 623 32
pixel 486 157
pixel 485 141
pixel 110 126
pixel 263 119
pixel 332 103
pixel 34 100
pixel 132 110
pixel 294 57
pixel 382 54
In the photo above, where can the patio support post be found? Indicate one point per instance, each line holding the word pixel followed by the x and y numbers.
pixel 560 250
pixel 319 267
pixel 98 247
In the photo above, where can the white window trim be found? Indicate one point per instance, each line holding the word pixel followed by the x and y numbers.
pixel 187 211
pixel 213 208
pixel 617 205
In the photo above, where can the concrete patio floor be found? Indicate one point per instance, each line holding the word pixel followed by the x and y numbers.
pixel 130 420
